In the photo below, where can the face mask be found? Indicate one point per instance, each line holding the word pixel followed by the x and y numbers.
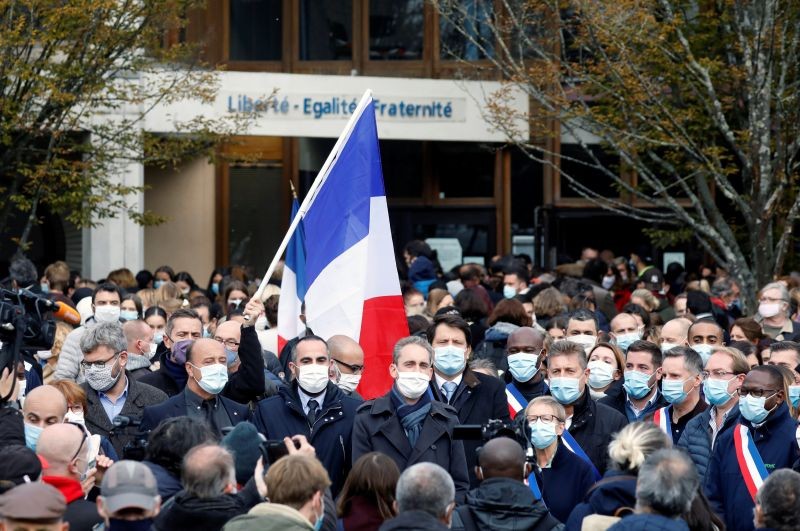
pixel 608 282
pixel 601 374
pixel 412 384
pixel 158 283
pixel 44 355
pixel 235 302
pixel 131 525
pixel 179 351
pixel 129 315
pixel 666 347
pixel 523 366
pixel 509 292
pixel 77 418
pixel 704 350
pixel 673 391
pixel 261 322
pixel 586 341
pixel 624 341
pixel 32 435
pixel 637 384
pixel 231 356
pixel 753 409
pixel 312 378
pixel 543 434
pixel 349 382
pixel 212 377
pixel 215 288
pixel 769 309
pixel 565 390
pixel 158 337
pixel 318 523
pixel 206 331
pixel 108 313
pixel 450 360
pixel 185 291
pixel 716 391
pixel 22 385
pixel 45 288
pixel 794 395
pixel 102 379
pixel 153 348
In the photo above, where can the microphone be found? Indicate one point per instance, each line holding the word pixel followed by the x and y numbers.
pixel 66 313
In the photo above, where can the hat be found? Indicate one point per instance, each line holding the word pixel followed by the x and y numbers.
pixel 17 463
pixel 129 484
pixel 243 441
pixel 33 501
pixel 653 278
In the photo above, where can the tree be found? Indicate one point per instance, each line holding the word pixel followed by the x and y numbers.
pixel 77 79
pixel 698 99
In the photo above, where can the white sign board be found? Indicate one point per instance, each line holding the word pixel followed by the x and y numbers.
pixel 448 251
pixel 674 257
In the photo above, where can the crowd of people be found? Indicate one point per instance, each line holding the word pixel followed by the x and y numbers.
pixel 602 394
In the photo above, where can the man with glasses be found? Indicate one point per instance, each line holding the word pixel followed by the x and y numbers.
pixel 246 378
pixel 348 364
pixel 773 313
pixel 110 390
pixel 64 452
pixel 763 441
pixel 722 378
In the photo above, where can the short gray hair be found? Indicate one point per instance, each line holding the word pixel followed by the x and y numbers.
pixel 667 483
pixel 103 335
pixel 779 498
pixel 566 347
pixel 780 287
pixel 207 470
pixel 425 487
pixel 411 340
pixel 722 287
pixel 691 359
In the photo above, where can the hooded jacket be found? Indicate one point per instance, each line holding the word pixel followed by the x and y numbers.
pixel 615 491
pixel 504 504
pixel 696 437
pixel 206 514
pixel 270 517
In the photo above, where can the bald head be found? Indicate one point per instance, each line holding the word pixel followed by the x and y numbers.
pixel 231 332
pixel 59 445
pixel 44 406
pixel 623 323
pixel 525 337
pixel 346 351
pixel 502 458
pixel 137 332
pixel 203 349
pixel 676 331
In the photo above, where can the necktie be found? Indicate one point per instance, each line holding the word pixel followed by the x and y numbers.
pixel 313 408
pixel 208 407
pixel 449 389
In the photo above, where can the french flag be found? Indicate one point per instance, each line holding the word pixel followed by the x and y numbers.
pixel 293 285
pixel 351 284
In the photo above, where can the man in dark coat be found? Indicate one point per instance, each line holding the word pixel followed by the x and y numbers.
pixel 503 502
pixel 770 426
pixel 329 426
pixel 207 374
pixel 407 424
pixel 477 397
pixel 639 396
pixel 590 424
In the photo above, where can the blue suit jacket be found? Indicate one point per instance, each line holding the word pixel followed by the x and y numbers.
pixel 176 407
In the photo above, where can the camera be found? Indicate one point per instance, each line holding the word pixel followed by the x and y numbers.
pixel 134 449
pixel 491 430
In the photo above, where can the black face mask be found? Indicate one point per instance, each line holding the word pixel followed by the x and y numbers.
pixel 130 525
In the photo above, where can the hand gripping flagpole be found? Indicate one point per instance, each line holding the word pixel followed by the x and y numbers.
pixel 312 192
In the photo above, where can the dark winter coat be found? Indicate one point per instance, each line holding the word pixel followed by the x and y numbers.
pixel 413 521
pixel 649 522
pixel 559 495
pixel 696 438
pixel 615 491
pixel 617 398
pixel 190 512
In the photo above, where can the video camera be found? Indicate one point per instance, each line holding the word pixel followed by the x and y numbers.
pixel 134 449
pixel 493 429
pixel 23 326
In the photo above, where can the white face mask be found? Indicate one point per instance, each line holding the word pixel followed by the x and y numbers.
pixel 77 418
pixel 261 322
pixel 312 378
pixel 349 382
pixel 44 354
pixel 412 384
pixel 153 348
pixel 769 309
pixel 583 340
pixel 108 313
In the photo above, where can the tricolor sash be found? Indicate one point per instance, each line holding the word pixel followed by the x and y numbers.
pixel 516 402
pixel 572 445
pixel 663 420
pixel 534 486
pixel 750 463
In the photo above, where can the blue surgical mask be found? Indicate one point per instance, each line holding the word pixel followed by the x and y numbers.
pixel 794 395
pixel 523 366
pixel 704 350
pixel 673 391
pixel 450 360
pixel 624 341
pixel 716 391
pixel 158 283
pixel 158 336
pixel 565 390
pixel 128 315
pixel 231 355
pixel 542 434
pixel 753 409
pixel 45 288
pixel 212 378
pixel 32 434
pixel 509 292
pixel 215 288
pixel 637 384
pixel 319 522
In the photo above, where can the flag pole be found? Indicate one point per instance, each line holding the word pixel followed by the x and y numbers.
pixel 312 192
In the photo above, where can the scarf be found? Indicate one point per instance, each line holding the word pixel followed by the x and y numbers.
pixel 70 488
pixel 136 361
pixel 176 372
pixel 411 417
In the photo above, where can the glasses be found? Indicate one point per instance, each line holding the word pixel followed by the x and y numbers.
pixel 544 418
pixel 355 368
pixel 98 364
pixel 757 393
pixel 83 440
pixel 716 374
pixel 769 299
pixel 524 350
pixel 230 343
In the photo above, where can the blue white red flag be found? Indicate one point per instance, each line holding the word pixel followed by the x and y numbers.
pixel 350 275
pixel 293 285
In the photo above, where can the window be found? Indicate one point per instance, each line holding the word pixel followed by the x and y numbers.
pixel 466 30
pixel 402 167
pixel 326 30
pixel 396 29
pixel 464 169
pixel 575 161
pixel 255 231
pixel 255 30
